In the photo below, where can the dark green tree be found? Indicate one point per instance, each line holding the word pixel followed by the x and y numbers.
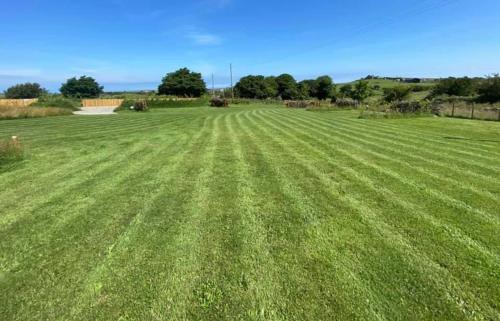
pixel 361 90
pixel 303 90
pixel 183 83
pixel 455 87
pixel 25 91
pixel 398 93
pixel 489 90
pixel 324 87
pixel 84 87
pixel 287 87
pixel 346 90
pixel 271 87
pixel 253 87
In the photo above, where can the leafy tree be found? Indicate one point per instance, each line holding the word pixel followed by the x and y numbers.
pixel 324 87
pixel 312 85
pixel 361 90
pixel 183 83
pixel 84 87
pixel 271 87
pixel 489 90
pixel 287 87
pixel 303 90
pixel 346 90
pixel 256 87
pixel 398 93
pixel 25 91
pixel 455 87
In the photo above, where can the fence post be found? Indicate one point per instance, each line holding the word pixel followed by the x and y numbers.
pixel 473 107
pixel 453 109
pixel 498 112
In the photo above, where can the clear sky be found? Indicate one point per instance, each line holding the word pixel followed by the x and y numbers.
pixel 129 44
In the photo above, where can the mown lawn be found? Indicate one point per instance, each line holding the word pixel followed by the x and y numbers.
pixel 250 213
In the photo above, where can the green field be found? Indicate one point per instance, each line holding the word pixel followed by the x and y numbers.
pixel 250 213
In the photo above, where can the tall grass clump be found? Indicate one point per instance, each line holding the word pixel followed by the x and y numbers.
pixel 10 150
pixel 57 101
pixel 31 112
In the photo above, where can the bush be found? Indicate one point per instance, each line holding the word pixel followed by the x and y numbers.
pixel 84 87
pixel 396 93
pixel 219 102
pixel 183 83
pixel 455 87
pixel 297 104
pixel 489 91
pixel 25 91
pixel 407 107
pixel 10 150
pixel 347 103
pixel 57 102
pixel 141 105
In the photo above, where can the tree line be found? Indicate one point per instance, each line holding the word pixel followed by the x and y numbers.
pixel 186 83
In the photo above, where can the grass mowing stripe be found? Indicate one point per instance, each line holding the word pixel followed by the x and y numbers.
pixel 92 294
pixel 484 164
pixel 492 222
pixel 456 203
pixel 291 228
pixel 106 133
pixel 474 147
pixel 413 137
pixel 352 134
pixel 389 195
pixel 55 221
pixel 166 238
pixel 411 251
pixel 490 264
pixel 79 228
pixel 63 190
pixel 260 271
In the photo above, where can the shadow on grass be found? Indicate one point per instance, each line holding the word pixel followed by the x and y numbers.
pixel 470 139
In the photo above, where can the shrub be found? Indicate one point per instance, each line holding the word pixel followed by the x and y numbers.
pixel 219 102
pixel 183 83
pixel 407 106
pixel 398 93
pixel 455 87
pixel 141 105
pixel 489 90
pixel 31 112
pixel 297 104
pixel 25 91
pixel 10 150
pixel 84 87
pixel 347 103
pixel 57 101
pixel 287 87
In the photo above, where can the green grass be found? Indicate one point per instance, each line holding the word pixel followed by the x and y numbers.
pixel 251 213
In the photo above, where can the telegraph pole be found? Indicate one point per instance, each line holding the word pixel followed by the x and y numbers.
pixel 213 86
pixel 231 72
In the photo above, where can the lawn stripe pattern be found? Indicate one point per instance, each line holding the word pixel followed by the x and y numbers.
pixel 250 213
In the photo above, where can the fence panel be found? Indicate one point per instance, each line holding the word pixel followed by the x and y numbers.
pixel 17 102
pixel 101 102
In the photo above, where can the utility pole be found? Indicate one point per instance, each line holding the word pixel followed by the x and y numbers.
pixel 213 86
pixel 231 72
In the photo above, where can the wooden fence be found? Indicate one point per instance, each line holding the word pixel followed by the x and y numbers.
pixel 101 102
pixel 471 111
pixel 17 102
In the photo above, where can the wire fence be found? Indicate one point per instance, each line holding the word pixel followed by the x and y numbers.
pixel 471 111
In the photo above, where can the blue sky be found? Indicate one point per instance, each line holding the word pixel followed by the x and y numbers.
pixel 128 44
